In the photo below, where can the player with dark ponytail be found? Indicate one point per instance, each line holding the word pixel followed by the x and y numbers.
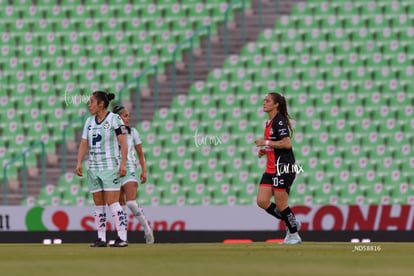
pixel 280 167
pixel 129 183
pixel 104 134
pixel 104 97
pixel 277 98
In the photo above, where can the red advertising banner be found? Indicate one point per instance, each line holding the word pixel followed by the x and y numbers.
pixel 214 218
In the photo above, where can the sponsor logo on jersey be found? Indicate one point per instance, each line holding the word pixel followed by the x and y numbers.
pixel 282 131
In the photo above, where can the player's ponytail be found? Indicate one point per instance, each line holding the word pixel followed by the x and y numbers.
pixel 106 97
pixel 278 98
pixel 118 109
pixel 110 96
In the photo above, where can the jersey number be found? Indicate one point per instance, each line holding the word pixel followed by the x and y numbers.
pixel 277 181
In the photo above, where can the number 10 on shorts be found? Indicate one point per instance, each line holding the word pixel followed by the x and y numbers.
pixel 277 181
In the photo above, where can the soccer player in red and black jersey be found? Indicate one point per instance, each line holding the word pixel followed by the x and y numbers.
pixel 280 167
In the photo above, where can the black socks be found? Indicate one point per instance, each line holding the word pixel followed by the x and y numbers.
pixel 272 210
pixel 289 218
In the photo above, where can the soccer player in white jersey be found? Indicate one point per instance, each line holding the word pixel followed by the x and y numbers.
pixel 104 134
pixel 129 182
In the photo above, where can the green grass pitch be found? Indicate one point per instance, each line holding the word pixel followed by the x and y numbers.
pixel 258 258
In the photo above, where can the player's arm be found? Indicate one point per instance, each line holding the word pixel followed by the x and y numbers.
pixel 120 132
pixel 141 158
pixel 124 152
pixel 281 132
pixel 83 147
pixel 284 143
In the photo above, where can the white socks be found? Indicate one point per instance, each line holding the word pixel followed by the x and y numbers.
pixel 139 214
pixel 100 221
pixel 120 220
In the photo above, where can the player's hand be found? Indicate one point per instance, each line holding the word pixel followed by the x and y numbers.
pixel 122 171
pixel 79 170
pixel 261 153
pixel 260 142
pixel 143 177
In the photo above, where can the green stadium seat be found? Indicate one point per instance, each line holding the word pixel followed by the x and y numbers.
pixel 29 201
pixel 198 195
pixel 336 60
pixel 48 190
pixel 48 196
pixel 48 201
pixel 352 195
pixel 377 195
pixel 74 200
pixel 247 195
pixel 148 195
pixel 174 195
pixel 325 196
pixel 144 200
pixel 221 197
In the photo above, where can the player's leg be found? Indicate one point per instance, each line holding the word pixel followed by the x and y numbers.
pixel 122 202
pixel 292 235
pixel 111 183
pixel 95 187
pixel 281 198
pixel 112 197
pixel 281 190
pixel 131 188
pixel 264 196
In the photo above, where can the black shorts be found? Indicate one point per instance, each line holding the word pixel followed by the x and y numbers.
pixel 283 181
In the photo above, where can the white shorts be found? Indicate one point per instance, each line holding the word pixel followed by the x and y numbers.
pixel 130 176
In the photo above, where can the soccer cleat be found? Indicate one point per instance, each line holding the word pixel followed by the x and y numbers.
pixel 292 239
pixel 298 226
pixel 149 238
pixel 119 243
pixel 98 243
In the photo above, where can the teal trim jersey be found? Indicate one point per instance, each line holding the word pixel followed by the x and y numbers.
pixel 104 149
pixel 133 139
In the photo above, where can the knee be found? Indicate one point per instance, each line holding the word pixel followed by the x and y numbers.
pixel 135 209
pixel 262 203
pixel 130 191
pixel 131 204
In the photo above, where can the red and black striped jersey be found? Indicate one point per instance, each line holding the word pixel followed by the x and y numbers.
pixel 276 130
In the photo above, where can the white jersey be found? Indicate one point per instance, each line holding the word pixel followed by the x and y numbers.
pixel 133 139
pixel 104 149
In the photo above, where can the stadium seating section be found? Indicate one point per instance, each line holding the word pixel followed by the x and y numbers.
pixel 345 67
